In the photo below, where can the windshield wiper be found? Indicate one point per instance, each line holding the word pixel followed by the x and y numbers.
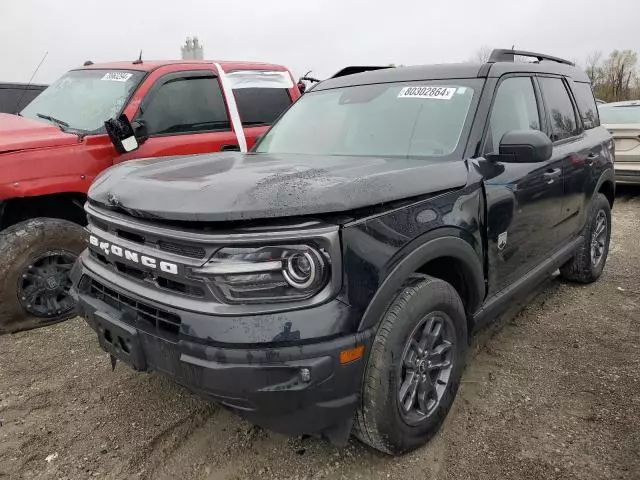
pixel 60 123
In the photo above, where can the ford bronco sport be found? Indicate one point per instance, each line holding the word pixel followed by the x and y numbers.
pixel 328 281
pixel 51 152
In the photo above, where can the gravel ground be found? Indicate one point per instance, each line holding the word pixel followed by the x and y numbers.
pixel 552 391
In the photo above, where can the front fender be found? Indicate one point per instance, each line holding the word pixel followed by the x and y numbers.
pixel 433 245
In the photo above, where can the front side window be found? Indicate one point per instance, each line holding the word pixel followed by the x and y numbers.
pixel 514 108
pixel 186 105
pixel 417 119
pixel 586 105
pixel 561 112
pixel 83 100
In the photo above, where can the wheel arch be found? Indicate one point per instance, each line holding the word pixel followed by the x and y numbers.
pixel 607 186
pixel 64 206
pixel 447 257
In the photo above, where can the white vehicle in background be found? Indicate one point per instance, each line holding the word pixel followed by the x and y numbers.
pixel 622 119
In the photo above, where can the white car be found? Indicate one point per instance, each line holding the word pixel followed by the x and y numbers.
pixel 622 119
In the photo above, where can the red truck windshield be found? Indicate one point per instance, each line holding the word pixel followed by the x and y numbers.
pixel 84 99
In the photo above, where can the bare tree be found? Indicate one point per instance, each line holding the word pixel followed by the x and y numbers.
pixel 594 67
pixel 619 71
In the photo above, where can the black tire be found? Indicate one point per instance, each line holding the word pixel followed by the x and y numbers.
pixel 582 268
pixel 23 245
pixel 379 421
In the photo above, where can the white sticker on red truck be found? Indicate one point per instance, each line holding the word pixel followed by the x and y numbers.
pixel 117 76
pixel 437 93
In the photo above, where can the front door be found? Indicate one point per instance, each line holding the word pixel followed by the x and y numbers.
pixel 523 199
pixel 185 114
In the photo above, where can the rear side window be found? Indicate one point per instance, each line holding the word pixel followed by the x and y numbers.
pixel 186 105
pixel 586 105
pixel 561 113
pixel 261 106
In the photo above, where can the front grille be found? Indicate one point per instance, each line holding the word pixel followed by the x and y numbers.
pixel 144 275
pixel 184 250
pixel 141 312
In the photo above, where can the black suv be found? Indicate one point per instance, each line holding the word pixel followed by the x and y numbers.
pixel 330 280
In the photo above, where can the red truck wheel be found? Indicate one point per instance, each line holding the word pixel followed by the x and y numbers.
pixel 35 259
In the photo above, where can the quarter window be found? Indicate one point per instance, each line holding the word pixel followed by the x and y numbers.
pixel 561 112
pixel 186 105
pixel 586 105
pixel 514 108
pixel 261 106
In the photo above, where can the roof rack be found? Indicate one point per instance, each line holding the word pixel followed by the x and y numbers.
pixel 502 55
pixel 356 69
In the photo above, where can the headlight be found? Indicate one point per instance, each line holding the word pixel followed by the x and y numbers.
pixel 267 274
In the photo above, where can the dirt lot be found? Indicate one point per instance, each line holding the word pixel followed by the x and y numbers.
pixel 551 392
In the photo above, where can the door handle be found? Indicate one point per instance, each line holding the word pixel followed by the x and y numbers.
pixel 551 174
pixel 590 159
pixel 230 148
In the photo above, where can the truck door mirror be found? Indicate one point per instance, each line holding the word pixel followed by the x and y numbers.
pixel 140 130
pixel 524 146
pixel 122 134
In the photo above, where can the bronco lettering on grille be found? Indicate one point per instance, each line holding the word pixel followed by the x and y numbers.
pixel 116 250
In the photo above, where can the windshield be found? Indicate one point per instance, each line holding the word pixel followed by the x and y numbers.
pixel 612 115
pixel 83 99
pixel 414 119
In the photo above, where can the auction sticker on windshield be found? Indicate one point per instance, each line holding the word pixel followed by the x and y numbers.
pixel 117 76
pixel 438 93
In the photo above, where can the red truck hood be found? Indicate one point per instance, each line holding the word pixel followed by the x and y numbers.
pixel 19 133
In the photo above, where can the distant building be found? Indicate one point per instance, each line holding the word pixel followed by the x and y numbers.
pixel 192 50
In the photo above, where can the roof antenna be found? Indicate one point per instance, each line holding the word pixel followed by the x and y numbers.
pixel 30 80
pixel 139 60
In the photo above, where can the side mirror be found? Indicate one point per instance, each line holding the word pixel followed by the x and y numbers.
pixel 140 130
pixel 122 134
pixel 524 146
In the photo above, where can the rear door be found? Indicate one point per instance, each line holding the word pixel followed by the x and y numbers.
pixel 523 199
pixel 574 151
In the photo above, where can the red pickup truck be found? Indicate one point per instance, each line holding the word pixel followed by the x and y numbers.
pixel 54 148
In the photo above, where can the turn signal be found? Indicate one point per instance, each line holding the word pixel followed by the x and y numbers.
pixel 351 355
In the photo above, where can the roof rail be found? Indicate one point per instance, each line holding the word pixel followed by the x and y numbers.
pixel 357 69
pixel 502 55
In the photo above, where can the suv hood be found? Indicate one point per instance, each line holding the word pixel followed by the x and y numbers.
pixel 20 133
pixel 235 186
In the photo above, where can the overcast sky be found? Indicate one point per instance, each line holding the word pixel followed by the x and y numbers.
pixel 321 35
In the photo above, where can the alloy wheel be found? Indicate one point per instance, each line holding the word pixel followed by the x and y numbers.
pixel 425 370
pixel 599 238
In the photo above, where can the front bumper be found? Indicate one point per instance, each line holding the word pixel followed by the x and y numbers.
pixel 292 387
